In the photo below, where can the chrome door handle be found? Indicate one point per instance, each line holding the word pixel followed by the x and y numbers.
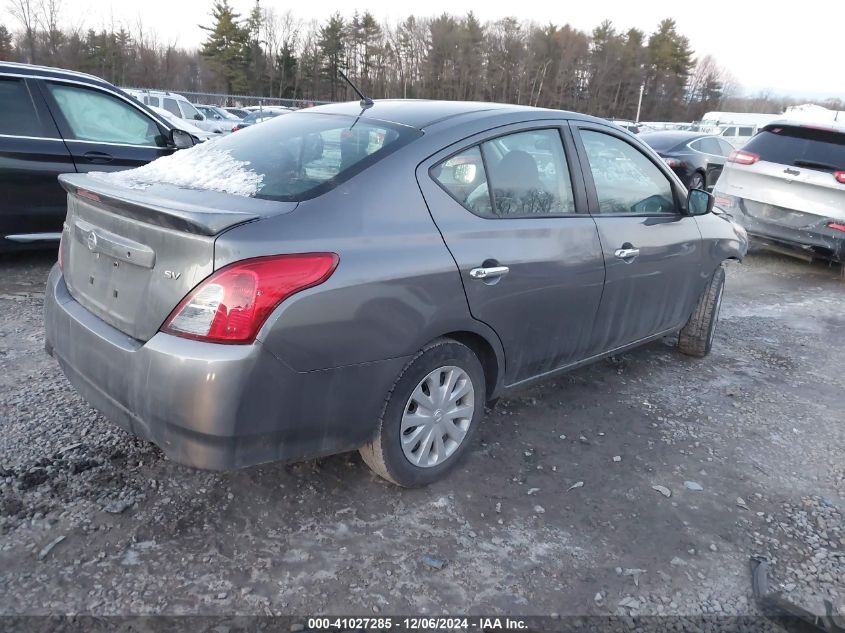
pixel 626 253
pixel 489 273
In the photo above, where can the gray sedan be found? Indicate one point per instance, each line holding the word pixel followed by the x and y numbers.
pixel 368 277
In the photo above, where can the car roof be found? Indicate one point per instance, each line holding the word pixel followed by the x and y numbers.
pixel 48 71
pixel 829 126
pixel 421 113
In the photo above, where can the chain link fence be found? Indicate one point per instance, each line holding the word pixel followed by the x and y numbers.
pixel 232 100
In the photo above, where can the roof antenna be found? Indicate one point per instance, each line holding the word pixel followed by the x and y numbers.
pixel 366 102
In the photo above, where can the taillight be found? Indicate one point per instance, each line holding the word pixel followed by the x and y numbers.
pixel 742 157
pixel 61 255
pixel 725 200
pixel 840 176
pixel 231 305
pixel 836 226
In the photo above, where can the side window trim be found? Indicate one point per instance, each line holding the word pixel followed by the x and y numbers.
pixel 64 126
pixel 587 173
pixel 574 168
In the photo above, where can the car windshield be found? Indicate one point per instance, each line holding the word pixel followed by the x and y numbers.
pixel 803 146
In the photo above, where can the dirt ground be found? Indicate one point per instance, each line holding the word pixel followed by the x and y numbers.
pixel 554 511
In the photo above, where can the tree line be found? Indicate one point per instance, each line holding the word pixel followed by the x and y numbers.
pixel 275 54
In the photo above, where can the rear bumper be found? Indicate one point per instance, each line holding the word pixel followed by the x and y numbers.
pixel 213 406
pixel 796 230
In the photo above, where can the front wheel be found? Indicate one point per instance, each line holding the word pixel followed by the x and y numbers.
pixel 696 337
pixel 430 415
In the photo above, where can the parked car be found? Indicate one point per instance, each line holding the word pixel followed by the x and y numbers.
pixel 56 121
pixel 738 135
pixel 370 278
pixel 200 135
pixel 787 188
pixel 696 158
pixel 178 106
pixel 238 112
pixel 257 116
pixel 216 113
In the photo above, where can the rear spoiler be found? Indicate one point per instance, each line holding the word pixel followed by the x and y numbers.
pixel 150 208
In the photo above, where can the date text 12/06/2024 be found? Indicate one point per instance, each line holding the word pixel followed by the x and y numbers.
pixel 425 623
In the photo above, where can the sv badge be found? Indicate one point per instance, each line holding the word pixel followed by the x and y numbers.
pixel 170 274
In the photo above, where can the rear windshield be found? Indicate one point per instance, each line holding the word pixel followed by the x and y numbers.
pixel 302 155
pixel 288 158
pixel 801 146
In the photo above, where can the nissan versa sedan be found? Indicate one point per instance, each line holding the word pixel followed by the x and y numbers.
pixel 368 276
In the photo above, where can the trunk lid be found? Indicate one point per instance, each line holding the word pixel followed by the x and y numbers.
pixel 130 255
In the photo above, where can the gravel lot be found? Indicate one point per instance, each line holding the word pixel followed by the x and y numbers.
pixel 553 512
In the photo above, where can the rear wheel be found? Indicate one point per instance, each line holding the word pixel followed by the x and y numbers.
pixel 696 181
pixel 430 415
pixel 696 337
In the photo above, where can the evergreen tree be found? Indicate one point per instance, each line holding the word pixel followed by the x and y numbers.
pixel 5 44
pixel 670 65
pixel 255 60
pixel 333 49
pixel 227 48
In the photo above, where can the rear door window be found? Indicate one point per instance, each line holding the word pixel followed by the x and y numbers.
pixel 93 115
pixel 800 146
pixel 746 131
pixel 709 146
pixel 464 178
pixel 526 175
pixel 19 116
pixel 725 147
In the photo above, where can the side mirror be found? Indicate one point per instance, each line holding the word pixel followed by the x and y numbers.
pixel 180 139
pixel 699 202
pixel 199 117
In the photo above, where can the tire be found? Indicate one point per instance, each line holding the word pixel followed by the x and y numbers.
pixel 696 181
pixel 391 458
pixel 696 337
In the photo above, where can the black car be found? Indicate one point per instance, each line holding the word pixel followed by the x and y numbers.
pixel 697 158
pixel 56 121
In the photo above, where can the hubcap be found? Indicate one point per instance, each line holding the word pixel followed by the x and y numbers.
pixel 437 416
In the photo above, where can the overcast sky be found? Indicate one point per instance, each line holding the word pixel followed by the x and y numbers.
pixel 798 51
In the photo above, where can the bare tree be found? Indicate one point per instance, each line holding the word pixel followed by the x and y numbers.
pixel 24 11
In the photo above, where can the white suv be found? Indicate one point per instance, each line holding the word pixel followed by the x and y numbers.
pixel 787 187
pixel 178 106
